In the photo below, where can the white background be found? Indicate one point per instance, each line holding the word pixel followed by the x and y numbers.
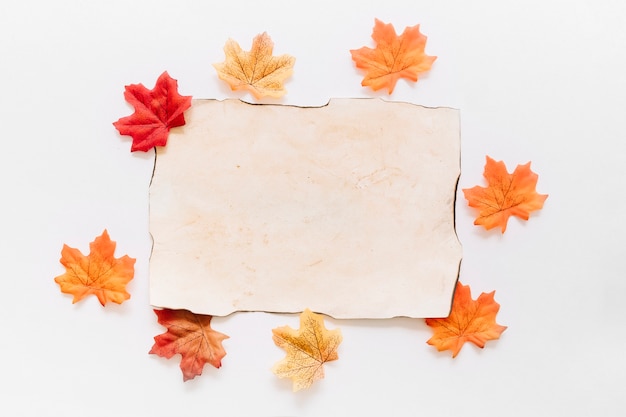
pixel 541 81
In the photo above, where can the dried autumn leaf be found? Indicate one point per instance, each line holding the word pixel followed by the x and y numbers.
pixel 98 273
pixel 469 321
pixel 393 58
pixel 191 336
pixel 506 195
pixel 308 348
pixel 156 112
pixel 256 71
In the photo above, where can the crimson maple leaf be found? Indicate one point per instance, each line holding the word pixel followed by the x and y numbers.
pixel 156 111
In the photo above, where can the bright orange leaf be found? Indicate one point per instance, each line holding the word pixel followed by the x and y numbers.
pixel 257 70
pixel 98 273
pixel 393 58
pixel 469 321
pixel 506 195
pixel 308 348
pixel 190 335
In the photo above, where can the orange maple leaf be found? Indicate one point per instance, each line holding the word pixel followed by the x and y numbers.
pixel 308 348
pixel 469 321
pixel 99 273
pixel 506 195
pixel 394 57
pixel 190 335
pixel 256 71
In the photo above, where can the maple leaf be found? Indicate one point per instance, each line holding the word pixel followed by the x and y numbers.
pixel 469 321
pixel 308 348
pixel 256 71
pixel 99 273
pixel 191 336
pixel 393 58
pixel 506 195
pixel 156 112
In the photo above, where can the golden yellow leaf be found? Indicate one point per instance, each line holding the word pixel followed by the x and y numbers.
pixel 308 348
pixel 257 71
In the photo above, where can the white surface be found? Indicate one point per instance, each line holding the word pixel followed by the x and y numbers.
pixel 534 80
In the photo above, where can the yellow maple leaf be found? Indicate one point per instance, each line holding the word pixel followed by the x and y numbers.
pixel 257 71
pixel 99 273
pixel 308 348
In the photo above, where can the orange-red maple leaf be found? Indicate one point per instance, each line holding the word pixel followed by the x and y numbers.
pixel 308 348
pixel 506 195
pixel 156 111
pixel 190 335
pixel 257 71
pixel 393 58
pixel 98 273
pixel 469 321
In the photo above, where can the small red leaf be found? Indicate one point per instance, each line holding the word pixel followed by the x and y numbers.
pixel 156 111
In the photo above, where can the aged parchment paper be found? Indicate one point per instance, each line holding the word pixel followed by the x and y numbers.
pixel 347 209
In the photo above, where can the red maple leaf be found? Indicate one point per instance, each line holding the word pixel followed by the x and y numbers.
pixel 190 335
pixel 156 111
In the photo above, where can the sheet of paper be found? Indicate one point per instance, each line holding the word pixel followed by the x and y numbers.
pixel 345 209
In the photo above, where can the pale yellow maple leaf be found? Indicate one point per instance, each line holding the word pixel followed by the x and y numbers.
pixel 308 348
pixel 257 71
